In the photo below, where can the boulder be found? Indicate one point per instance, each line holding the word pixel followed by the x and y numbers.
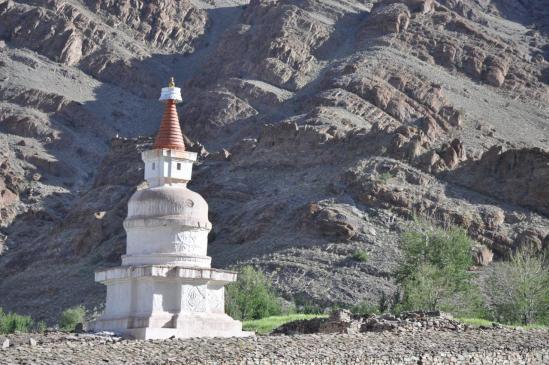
pixel 387 18
pixel 496 71
pixel 332 221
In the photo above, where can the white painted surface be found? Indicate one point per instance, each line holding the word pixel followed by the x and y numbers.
pixel 170 93
pixel 161 166
pixel 165 286
pixel 153 304
pixel 167 239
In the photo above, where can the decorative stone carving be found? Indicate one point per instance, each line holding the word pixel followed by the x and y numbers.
pixel 185 242
pixel 194 299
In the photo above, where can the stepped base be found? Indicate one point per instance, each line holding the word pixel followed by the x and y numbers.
pixel 158 301
pixel 185 326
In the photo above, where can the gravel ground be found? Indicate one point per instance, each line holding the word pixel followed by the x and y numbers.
pixel 411 347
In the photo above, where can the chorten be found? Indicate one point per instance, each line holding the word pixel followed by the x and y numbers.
pixel 166 286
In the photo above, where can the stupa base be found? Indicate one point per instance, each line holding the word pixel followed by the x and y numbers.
pixel 158 301
pixel 184 326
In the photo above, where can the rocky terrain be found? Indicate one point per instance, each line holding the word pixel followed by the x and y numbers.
pixel 344 322
pixel 322 127
pixel 422 346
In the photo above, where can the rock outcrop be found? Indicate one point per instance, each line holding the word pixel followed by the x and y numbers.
pixel 322 127
pixel 517 176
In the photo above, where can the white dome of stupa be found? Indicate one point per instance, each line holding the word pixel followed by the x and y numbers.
pixel 169 202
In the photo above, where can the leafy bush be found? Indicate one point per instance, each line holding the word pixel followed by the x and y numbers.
pixel 518 290
pixel 385 304
pixel 385 177
pixel 303 304
pixel 434 271
pixel 309 308
pixel 71 317
pixel 251 296
pixel 365 309
pixel 360 255
pixel 11 322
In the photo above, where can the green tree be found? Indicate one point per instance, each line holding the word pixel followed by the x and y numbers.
pixel 518 290
pixel 433 272
pixel 251 296
pixel 71 317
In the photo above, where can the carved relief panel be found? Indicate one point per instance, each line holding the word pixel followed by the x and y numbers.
pixel 186 243
pixel 193 298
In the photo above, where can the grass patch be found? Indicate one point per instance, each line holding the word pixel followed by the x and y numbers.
pixel 476 321
pixel 11 322
pixel 266 325
pixel 487 323
pixel 360 255
pixel 534 326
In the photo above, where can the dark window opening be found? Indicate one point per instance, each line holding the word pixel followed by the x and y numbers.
pixel 179 166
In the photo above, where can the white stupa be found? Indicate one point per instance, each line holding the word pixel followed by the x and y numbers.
pixel 166 286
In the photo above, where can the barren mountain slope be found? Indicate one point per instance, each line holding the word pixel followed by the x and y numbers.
pixel 323 126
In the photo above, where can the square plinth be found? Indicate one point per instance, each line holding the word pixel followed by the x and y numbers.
pixel 154 302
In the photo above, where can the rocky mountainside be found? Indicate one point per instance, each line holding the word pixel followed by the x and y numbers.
pixel 323 126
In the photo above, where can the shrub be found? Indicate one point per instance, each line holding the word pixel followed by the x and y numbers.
pixel 310 308
pixel 434 273
pixel 384 177
pixel 518 290
pixel 11 322
pixel 364 309
pixel 41 327
pixel 251 296
pixel 71 317
pixel 360 255
pixel 448 250
pixel 385 304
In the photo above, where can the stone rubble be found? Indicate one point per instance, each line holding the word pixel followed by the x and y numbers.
pixel 343 322
pixel 430 346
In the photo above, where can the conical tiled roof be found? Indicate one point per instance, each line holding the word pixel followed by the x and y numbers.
pixel 169 135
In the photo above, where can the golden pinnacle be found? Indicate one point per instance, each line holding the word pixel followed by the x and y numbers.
pixel 171 83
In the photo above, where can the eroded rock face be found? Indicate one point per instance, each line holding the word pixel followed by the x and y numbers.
pixel 275 44
pixel 323 126
pixel 517 176
pixel 163 24
pixel 388 17
pixel 70 34
pixel 54 35
pixel 214 110
pixel 409 192
pixel 10 187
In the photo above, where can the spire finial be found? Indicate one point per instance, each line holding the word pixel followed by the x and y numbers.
pixel 171 92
